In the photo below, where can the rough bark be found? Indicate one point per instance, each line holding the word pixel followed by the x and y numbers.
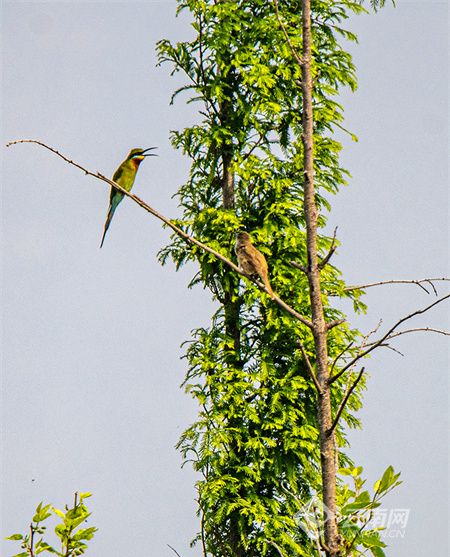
pixel 319 328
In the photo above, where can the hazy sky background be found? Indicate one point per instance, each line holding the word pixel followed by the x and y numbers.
pixel 91 368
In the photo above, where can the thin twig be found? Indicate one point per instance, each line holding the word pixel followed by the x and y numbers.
pixel 363 344
pixel 415 330
pixel 334 323
pixel 387 335
pixel 299 266
pixel 389 347
pixel 276 546
pixel 344 401
pixel 309 367
pixel 418 329
pixel 31 548
pixel 297 57
pixel 418 282
pixel 174 550
pixel 349 345
pixel 330 253
pixel 170 224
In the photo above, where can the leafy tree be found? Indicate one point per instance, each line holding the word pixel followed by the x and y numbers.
pixel 264 158
pixel 277 380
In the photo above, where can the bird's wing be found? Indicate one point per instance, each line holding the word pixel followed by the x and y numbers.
pixel 117 174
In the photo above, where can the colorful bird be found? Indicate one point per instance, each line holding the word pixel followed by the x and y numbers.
pixel 252 261
pixel 124 176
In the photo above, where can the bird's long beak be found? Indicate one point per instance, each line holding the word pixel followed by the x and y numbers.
pixel 145 154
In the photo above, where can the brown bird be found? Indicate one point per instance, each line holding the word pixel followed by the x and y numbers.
pixel 252 261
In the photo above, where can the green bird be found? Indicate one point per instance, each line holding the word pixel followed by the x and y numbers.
pixel 124 176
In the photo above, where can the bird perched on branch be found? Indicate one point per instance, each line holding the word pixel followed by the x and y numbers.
pixel 250 260
pixel 124 176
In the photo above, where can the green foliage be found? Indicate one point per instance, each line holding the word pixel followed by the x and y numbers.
pixel 72 538
pixel 357 510
pixel 255 442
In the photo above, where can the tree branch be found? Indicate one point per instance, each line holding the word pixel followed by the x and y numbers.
pixel 309 367
pixel 299 266
pixel 174 550
pixel 340 355
pixel 386 336
pixel 417 329
pixel 170 224
pixel 345 400
pixel 334 323
pixel 295 54
pixel 418 282
pixel 328 256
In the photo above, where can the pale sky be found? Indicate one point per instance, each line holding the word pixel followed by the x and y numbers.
pixel 91 339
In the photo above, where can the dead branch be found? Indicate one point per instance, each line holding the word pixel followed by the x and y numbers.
pixel 363 344
pixel 340 355
pixel 174 550
pixel 418 282
pixel 330 253
pixel 418 329
pixel 170 224
pixel 334 323
pixel 309 367
pixel 386 336
pixel 345 400
pixel 299 266
pixel 389 347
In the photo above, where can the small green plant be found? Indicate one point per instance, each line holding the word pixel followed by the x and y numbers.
pixel 72 538
pixel 357 511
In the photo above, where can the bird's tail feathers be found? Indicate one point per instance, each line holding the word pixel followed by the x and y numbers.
pixel 107 222
pixel 269 288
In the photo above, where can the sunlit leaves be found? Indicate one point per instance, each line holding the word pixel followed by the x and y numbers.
pixel 255 441
pixel 72 538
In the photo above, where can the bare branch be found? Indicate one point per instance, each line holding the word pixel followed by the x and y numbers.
pixel 283 304
pixel 170 224
pixel 334 323
pixel 309 367
pixel 331 251
pixel 387 335
pixel 295 54
pixel 418 282
pixel 418 329
pixel 396 350
pixel 299 266
pixel 361 347
pixel 31 547
pixel 345 400
pixel 340 355
pixel 174 550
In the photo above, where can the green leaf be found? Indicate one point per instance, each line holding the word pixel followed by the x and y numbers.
pixel 58 512
pixel 377 551
pixel 387 481
pixel 84 495
pixel 41 513
pixel 15 537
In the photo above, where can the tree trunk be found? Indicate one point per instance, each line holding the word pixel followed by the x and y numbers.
pixel 319 329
